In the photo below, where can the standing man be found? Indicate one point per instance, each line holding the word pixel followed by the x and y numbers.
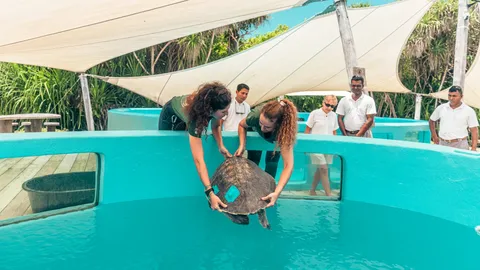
pixel 356 112
pixel 239 109
pixel 455 120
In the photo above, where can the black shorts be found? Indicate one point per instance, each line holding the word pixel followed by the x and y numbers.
pixel 169 120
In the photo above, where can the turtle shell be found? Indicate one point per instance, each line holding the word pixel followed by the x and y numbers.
pixel 241 184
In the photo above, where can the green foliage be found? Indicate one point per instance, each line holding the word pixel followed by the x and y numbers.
pixel 31 89
pixel 360 5
pixel 262 38
pixel 426 64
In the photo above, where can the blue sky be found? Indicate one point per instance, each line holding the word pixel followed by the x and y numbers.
pixel 294 16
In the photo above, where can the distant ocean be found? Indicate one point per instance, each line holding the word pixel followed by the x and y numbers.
pixel 292 17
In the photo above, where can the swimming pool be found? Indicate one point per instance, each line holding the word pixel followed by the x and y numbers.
pixel 182 233
pixel 401 214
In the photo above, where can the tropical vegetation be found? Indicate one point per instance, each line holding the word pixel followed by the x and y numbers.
pixel 426 66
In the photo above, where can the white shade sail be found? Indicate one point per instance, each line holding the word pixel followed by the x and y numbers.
pixel 320 93
pixel 471 92
pixel 308 57
pixel 77 35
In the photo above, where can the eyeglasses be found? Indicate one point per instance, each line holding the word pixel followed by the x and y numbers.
pixel 330 105
pixel 239 108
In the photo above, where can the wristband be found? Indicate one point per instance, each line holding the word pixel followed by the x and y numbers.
pixel 207 192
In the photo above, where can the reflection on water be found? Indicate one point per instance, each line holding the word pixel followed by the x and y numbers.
pixel 183 233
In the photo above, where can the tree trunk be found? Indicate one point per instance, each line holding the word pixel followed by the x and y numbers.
pixel 441 83
pixel 152 60
pixel 210 47
pixel 140 62
pixel 160 53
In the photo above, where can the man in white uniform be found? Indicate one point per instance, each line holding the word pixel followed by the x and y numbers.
pixel 238 110
pixel 356 112
pixel 322 121
pixel 455 119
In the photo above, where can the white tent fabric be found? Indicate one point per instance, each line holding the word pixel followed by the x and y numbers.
pixel 308 57
pixel 76 35
pixel 471 92
pixel 320 93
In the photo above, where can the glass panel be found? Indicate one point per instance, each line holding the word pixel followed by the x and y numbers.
pixel 314 176
pixel 37 186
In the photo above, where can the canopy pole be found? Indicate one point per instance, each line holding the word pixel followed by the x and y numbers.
pixel 346 35
pixel 418 106
pixel 461 43
pixel 348 41
pixel 86 102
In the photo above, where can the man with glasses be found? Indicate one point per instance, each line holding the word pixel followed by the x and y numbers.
pixel 455 119
pixel 238 110
pixel 356 112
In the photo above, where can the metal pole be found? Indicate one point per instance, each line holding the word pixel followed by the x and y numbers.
pixel 86 102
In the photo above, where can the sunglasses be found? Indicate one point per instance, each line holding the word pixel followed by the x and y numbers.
pixel 330 105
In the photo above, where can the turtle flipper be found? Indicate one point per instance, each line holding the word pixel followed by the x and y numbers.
pixel 262 217
pixel 239 219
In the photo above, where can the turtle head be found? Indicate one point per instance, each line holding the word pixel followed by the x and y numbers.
pixel 238 219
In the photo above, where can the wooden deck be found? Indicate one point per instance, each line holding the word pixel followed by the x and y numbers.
pixel 15 171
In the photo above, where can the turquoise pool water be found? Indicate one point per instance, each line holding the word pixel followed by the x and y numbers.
pixel 182 233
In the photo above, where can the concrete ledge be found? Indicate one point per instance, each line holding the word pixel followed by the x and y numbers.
pixel 138 165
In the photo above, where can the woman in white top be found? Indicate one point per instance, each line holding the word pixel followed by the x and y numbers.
pixel 322 121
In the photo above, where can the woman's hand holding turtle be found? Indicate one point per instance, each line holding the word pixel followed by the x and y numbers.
pixel 215 202
pixel 272 197
pixel 239 151
pixel 224 151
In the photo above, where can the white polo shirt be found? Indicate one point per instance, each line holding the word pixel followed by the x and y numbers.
pixel 236 113
pixel 355 111
pixel 322 123
pixel 454 122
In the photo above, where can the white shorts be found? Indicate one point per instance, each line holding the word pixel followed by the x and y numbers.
pixel 321 159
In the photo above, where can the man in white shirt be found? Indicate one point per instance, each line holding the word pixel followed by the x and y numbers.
pixel 356 112
pixel 238 110
pixel 322 121
pixel 455 119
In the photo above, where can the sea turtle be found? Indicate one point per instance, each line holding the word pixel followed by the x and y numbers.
pixel 241 184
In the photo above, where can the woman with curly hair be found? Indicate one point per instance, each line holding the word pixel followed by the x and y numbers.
pixel 193 113
pixel 276 122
